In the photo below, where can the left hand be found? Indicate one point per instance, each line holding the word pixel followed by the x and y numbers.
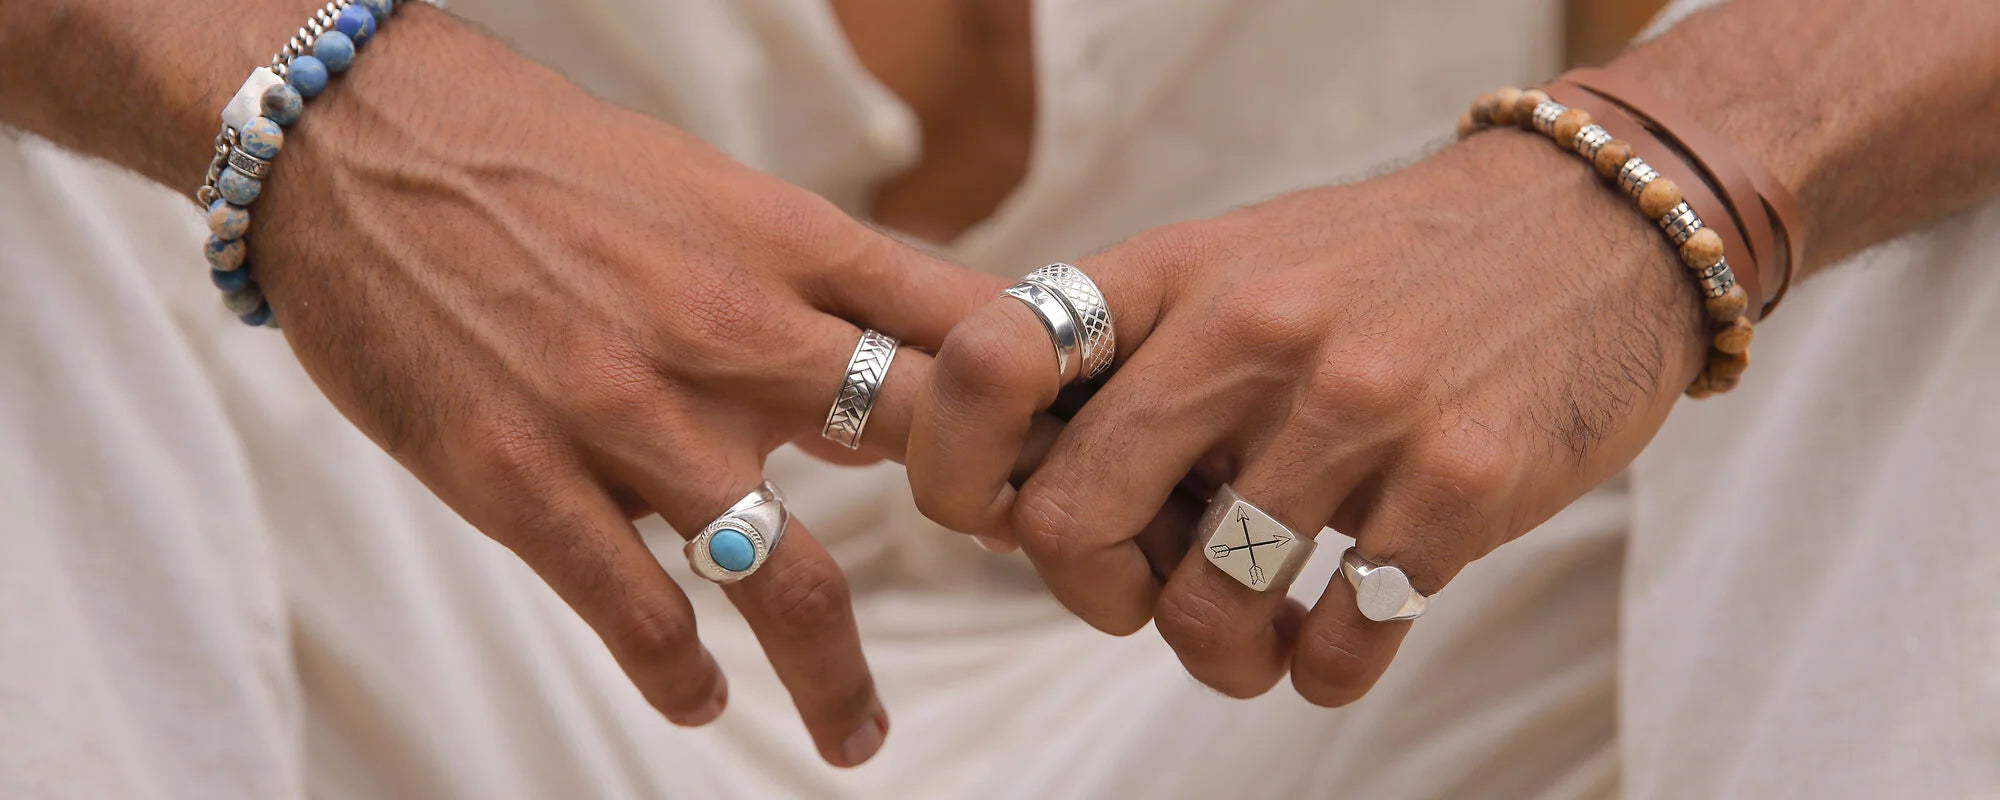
pixel 1436 360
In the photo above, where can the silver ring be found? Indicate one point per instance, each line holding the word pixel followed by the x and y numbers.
pixel 1078 321
pixel 1059 322
pixel 1249 545
pixel 865 371
pixel 1382 592
pixel 738 542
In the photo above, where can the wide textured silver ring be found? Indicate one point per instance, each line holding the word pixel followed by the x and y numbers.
pixel 733 546
pixel 1381 591
pixel 865 371
pixel 1249 545
pixel 1074 313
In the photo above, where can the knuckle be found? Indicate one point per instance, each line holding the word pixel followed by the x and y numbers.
pixel 1331 666
pixel 1268 322
pixel 655 635
pixel 617 383
pixel 1045 525
pixel 1366 389
pixel 506 453
pixel 985 357
pixel 812 597
pixel 1467 469
pixel 1193 624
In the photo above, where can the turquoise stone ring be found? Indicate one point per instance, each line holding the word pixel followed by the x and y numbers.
pixel 738 542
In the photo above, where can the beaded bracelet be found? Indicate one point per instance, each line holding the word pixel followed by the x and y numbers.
pixel 1659 198
pixel 253 123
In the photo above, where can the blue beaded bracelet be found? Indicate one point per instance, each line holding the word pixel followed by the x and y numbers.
pixel 253 124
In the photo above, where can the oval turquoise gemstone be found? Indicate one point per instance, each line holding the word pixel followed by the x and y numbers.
pixel 227 221
pixel 381 9
pixel 335 50
pixel 223 254
pixel 237 187
pixel 261 137
pixel 731 550
pixel 283 104
pixel 306 74
pixel 357 22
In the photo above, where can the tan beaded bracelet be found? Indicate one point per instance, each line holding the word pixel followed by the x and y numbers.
pixel 1659 198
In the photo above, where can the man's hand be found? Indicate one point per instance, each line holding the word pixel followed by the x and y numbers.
pixel 1437 361
pixel 561 315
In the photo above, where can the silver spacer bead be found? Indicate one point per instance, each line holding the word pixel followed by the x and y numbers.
pixel 1680 223
pixel 1545 116
pixel 249 165
pixel 1718 285
pixel 1716 270
pixel 1590 139
pixel 1635 176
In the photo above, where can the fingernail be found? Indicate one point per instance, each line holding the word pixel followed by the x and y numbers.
pixel 992 545
pixel 865 740
pixel 707 713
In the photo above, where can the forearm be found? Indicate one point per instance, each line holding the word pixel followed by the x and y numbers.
pixel 1879 117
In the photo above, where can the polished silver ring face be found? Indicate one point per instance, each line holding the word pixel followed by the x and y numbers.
pixel 866 370
pixel 1076 317
pixel 1249 545
pixel 737 543
pixel 1382 592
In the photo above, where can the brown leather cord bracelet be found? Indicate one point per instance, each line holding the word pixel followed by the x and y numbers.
pixel 1755 197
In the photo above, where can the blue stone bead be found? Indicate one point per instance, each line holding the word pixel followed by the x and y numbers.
pixel 357 22
pixel 227 221
pixel 731 550
pixel 380 9
pixel 230 280
pixel 262 316
pixel 306 74
pixel 335 50
pixel 261 137
pixel 223 254
pixel 283 104
pixel 243 301
pixel 238 188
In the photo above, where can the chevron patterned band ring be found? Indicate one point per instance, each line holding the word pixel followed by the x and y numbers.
pixel 865 371
pixel 1077 319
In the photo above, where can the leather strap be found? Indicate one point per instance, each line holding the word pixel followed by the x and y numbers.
pixel 1755 197
pixel 1695 187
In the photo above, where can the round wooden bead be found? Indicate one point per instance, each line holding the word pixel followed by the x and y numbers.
pixel 1482 107
pixel 1568 124
pixel 282 103
pixel 223 254
pixel 1503 105
pixel 1524 108
pixel 1466 125
pixel 261 138
pixel 1701 250
pixel 1659 197
pixel 1723 383
pixel 1700 387
pixel 1610 157
pixel 1729 305
pixel 227 221
pixel 1722 366
pixel 1734 336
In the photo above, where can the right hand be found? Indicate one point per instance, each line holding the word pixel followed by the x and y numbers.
pixel 561 316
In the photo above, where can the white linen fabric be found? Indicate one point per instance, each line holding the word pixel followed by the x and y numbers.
pixel 216 588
